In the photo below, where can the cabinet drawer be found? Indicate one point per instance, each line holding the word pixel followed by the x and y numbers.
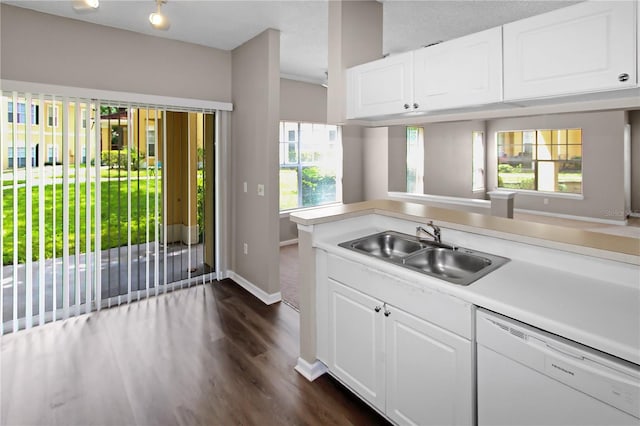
pixel 446 311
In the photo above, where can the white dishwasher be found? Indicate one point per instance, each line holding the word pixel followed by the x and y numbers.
pixel 527 376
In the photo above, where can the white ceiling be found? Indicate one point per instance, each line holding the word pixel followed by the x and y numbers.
pixel 302 23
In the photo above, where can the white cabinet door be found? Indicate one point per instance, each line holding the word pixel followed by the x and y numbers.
pixel 380 87
pixel 429 373
pixel 462 72
pixel 587 47
pixel 356 342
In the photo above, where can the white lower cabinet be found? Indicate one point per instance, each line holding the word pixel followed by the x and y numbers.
pixel 356 342
pixel 428 372
pixel 412 370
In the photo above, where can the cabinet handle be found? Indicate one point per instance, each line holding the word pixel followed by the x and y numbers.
pixel 415 105
pixel 623 77
pixel 377 308
pixel 406 106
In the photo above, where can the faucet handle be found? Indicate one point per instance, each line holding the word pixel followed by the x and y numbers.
pixel 436 231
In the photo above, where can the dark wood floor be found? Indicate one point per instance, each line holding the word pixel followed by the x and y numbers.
pixel 208 355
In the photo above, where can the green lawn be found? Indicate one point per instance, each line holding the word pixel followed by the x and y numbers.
pixel 113 217
pixel 526 180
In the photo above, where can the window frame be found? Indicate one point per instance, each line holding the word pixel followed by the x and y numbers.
pixel 300 164
pixel 418 183
pixel 151 130
pixel 52 115
pixel 536 160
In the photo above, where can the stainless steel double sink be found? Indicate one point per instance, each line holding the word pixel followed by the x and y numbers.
pixel 457 265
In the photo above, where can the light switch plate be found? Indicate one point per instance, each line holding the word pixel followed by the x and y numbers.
pixel 261 190
pixel 245 186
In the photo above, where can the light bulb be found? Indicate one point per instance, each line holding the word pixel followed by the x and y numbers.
pixel 158 20
pixel 85 5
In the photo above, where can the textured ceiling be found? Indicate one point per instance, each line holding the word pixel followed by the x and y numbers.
pixel 302 23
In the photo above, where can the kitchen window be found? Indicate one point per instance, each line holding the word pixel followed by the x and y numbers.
pixel 540 160
pixel 310 165
pixel 415 160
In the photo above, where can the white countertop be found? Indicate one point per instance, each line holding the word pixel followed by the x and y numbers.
pixel 618 248
pixel 593 312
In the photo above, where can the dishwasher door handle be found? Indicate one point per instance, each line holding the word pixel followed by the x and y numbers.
pixel 564 352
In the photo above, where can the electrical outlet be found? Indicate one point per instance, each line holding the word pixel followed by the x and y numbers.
pixel 546 201
pixel 245 186
pixel 261 190
pixel 246 248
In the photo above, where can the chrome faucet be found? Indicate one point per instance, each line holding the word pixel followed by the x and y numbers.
pixel 436 231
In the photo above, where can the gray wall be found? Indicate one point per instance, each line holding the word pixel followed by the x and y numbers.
pixel 448 158
pixel 602 161
pixel 256 99
pixel 301 101
pixel 634 120
pixel 375 162
pixel 355 37
pixel 352 164
pixel 288 229
pixel 41 48
pixel 397 158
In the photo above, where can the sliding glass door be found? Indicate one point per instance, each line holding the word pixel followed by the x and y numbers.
pixel 113 203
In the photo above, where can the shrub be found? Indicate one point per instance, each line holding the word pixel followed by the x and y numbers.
pixel 505 168
pixel 528 183
pixel 117 159
pixel 317 188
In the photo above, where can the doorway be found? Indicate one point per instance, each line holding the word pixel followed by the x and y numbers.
pixel 122 209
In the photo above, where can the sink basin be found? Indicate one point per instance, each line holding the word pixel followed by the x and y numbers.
pixel 388 245
pixel 454 264
pixel 447 263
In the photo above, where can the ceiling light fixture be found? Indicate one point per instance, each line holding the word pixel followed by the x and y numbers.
pixel 157 19
pixel 85 5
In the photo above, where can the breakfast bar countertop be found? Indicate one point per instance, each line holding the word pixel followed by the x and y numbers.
pixel 606 246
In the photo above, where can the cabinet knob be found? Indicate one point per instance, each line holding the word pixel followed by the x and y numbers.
pixel 415 105
pixel 377 308
pixel 387 313
pixel 406 106
pixel 623 77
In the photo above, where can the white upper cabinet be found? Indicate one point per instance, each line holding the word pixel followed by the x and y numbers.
pixel 588 47
pixel 381 87
pixel 463 72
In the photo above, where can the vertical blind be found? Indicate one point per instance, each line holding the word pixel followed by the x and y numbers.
pixel 85 217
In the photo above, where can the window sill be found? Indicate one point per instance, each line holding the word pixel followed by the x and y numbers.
pixel 566 196
pixel 285 213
